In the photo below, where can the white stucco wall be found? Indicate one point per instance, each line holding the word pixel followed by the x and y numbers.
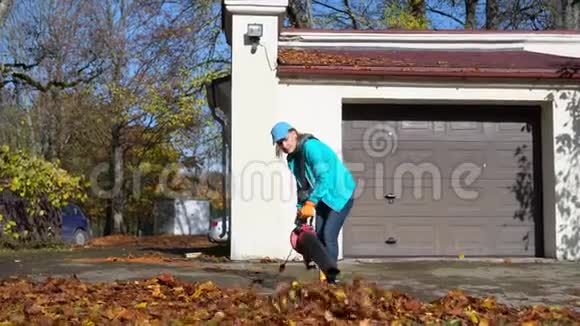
pixel 263 197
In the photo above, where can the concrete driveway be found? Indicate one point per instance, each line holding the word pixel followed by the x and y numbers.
pixel 513 282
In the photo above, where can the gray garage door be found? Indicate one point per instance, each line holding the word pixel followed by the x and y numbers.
pixel 459 187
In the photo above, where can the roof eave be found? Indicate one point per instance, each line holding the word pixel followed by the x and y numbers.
pixel 477 73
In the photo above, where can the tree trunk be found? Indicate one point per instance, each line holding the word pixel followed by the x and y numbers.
pixel 417 9
pixel 491 14
pixel 300 13
pixel 470 11
pixel 114 223
pixel 59 111
pixel 567 14
pixel 5 6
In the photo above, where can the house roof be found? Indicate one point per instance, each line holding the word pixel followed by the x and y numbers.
pixel 385 62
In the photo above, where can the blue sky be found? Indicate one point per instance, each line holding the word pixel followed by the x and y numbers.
pixel 438 21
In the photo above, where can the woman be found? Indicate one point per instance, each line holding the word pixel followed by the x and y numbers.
pixel 325 185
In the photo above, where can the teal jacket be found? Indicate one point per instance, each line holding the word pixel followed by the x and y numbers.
pixel 331 181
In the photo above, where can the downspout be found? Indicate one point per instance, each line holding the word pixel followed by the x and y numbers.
pixel 226 223
pixel 224 164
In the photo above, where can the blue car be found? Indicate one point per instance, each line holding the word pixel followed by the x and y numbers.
pixel 76 228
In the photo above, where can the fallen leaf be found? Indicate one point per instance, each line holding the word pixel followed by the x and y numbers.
pixel 141 305
pixel 413 305
pixel 165 298
pixel 166 279
pixel 340 295
pixel 328 316
pixel 483 322
pixel 125 314
pixel 34 309
pixel 488 303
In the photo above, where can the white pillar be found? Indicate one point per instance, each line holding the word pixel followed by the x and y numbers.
pixel 259 190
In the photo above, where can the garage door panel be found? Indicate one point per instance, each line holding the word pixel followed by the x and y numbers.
pixel 486 161
pixel 516 237
pixel 427 180
pixel 474 236
pixel 497 198
pixel 369 130
pixel 420 234
pixel 510 150
pixel 402 209
pixel 415 236
pixel 415 152
pixel 461 131
pixel 514 131
pixel 363 234
pixel 439 210
pixel 465 130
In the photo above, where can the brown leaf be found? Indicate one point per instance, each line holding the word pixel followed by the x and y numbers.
pixel 413 305
pixel 126 314
pixel 151 301
pixel 328 316
pixel 34 309
pixel 166 279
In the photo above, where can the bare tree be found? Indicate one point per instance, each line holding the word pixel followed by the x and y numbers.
pixel 499 14
pixel 418 8
pixel 567 14
pixel 470 14
pixel 491 14
pixel 5 6
pixel 49 46
pixel 109 75
pixel 149 51
pixel 348 14
pixel 300 13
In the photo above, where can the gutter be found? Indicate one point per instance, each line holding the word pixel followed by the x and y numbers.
pixel 435 37
pixel 544 41
pixel 284 71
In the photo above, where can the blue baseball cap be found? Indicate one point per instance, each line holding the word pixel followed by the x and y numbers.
pixel 280 131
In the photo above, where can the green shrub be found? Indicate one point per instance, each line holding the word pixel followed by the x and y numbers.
pixel 32 192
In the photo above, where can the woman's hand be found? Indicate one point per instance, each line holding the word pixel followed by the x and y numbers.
pixel 307 210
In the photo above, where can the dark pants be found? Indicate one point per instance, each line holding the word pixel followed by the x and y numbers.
pixel 328 225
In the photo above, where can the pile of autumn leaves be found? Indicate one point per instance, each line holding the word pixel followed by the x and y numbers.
pixel 166 301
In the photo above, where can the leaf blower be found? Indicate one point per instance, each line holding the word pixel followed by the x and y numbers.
pixel 304 240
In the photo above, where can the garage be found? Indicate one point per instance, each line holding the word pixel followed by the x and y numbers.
pixel 443 180
pixel 482 159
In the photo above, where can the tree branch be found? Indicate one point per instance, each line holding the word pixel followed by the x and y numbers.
pixel 350 15
pixel 444 14
pixel 53 83
pixel 21 65
pixel 329 7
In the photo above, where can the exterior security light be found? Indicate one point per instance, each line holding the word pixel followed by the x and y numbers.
pixel 255 30
pixel 254 34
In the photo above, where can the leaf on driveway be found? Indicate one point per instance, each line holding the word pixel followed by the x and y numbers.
pixel 166 300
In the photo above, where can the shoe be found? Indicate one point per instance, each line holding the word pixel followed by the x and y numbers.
pixel 331 279
pixel 331 275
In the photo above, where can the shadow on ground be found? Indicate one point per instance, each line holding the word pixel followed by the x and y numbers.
pixel 218 251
